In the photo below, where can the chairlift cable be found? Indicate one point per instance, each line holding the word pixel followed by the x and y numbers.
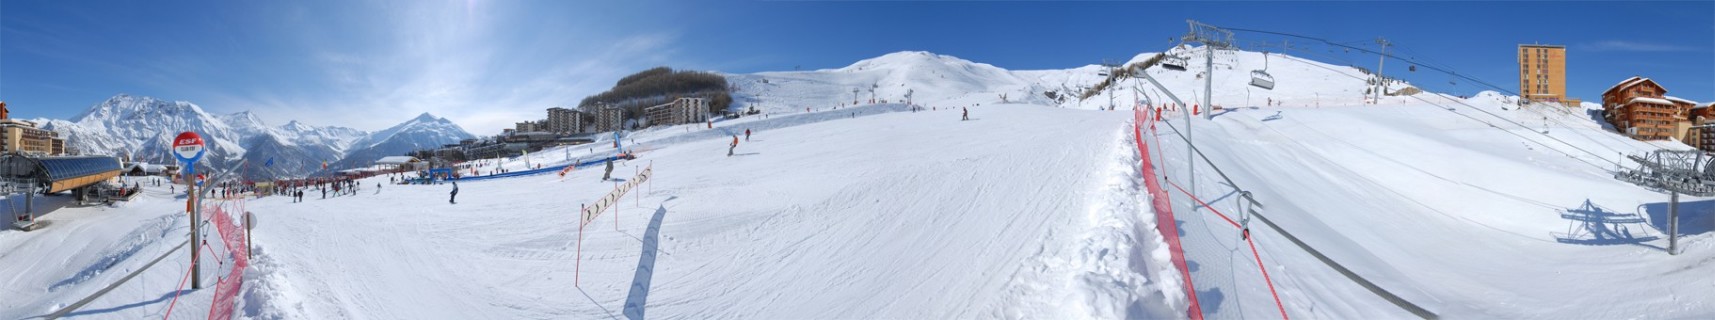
pixel 1520 125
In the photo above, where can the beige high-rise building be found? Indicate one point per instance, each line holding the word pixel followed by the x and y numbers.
pixel 1542 73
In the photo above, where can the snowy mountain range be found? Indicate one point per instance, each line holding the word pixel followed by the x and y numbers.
pixel 240 143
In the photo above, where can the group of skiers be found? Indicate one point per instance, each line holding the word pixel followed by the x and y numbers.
pixel 734 145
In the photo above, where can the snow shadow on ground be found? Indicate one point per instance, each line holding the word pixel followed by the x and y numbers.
pixel 163 298
pixel 1211 300
pixel 639 296
pixel 1590 224
pixel 1695 217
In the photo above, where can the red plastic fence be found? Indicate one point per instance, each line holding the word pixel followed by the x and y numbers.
pixel 1165 223
pixel 1164 216
pixel 226 291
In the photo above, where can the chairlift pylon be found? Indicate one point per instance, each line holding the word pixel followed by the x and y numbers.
pixel 1260 77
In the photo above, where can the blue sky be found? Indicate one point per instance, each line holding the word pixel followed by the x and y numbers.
pixel 485 64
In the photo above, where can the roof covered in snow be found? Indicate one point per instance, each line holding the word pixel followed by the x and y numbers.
pixel 1651 100
pixel 1678 99
pixel 1629 83
pixel 396 160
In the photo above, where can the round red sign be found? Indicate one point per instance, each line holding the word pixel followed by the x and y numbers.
pixel 188 146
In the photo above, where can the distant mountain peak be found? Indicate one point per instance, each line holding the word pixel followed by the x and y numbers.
pixel 906 59
pixel 426 117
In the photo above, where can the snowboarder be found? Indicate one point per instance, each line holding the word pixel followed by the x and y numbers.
pixel 734 145
pixel 746 134
pixel 453 199
pixel 609 173
pixel 965 113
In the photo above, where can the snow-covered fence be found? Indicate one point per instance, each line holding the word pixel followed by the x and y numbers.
pixel 1164 221
pixel 589 213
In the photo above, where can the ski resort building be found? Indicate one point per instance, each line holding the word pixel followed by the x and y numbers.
pixel 1542 73
pixel 1702 138
pixel 24 136
pixel 564 121
pixel 680 111
pixel 609 118
pixel 1638 108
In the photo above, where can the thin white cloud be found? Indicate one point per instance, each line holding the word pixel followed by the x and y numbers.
pixel 481 67
pixel 1634 46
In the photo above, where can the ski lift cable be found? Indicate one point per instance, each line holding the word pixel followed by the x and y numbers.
pixel 1515 123
pixel 1556 121
pixel 1365 50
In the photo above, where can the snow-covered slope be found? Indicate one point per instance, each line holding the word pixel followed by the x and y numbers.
pixel 944 81
pixel 820 220
pixel 931 79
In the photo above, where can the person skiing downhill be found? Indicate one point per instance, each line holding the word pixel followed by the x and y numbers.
pixel 453 199
pixel 746 134
pixel 605 175
pixel 966 113
pixel 734 145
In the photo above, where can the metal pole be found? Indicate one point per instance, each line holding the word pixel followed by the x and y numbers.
pixel 1673 224
pixel 1380 61
pixel 195 202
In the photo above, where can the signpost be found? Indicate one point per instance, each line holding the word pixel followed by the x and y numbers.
pixel 188 148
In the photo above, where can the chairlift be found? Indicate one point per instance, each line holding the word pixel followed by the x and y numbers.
pixel 1413 68
pixel 1260 77
pixel 1174 62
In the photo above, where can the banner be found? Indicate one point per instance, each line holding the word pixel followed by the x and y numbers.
pixel 594 210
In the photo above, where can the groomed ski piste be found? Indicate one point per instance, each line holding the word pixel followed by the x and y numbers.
pixel 1031 209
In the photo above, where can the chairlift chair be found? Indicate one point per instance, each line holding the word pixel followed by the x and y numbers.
pixel 1174 62
pixel 1260 77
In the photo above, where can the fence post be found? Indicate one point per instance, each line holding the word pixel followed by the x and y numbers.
pixel 639 196
pixel 578 268
pixel 615 205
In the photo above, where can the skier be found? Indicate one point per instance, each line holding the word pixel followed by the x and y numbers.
pixel 609 173
pixel 377 188
pixel 734 145
pixel 747 134
pixel 966 113
pixel 455 195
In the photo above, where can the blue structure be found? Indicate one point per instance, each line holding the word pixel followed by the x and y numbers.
pixel 552 169
pixel 57 174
